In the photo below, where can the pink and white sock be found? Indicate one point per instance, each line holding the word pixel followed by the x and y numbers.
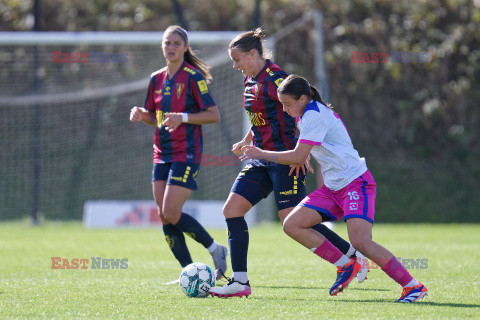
pixel 331 253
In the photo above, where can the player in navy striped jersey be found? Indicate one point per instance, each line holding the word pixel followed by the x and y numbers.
pixel 178 102
pixel 271 129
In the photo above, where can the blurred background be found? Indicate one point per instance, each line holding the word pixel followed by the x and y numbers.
pixel 65 137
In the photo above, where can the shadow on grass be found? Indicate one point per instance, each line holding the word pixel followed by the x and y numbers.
pixel 429 303
pixel 389 301
pixel 453 305
pixel 316 288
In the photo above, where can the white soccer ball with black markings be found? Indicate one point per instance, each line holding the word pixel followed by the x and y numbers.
pixel 196 280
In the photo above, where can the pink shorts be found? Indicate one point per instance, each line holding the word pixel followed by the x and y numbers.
pixel 357 200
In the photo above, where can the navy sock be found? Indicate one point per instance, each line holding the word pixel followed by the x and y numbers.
pixel 176 242
pixel 238 238
pixel 194 229
pixel 331 236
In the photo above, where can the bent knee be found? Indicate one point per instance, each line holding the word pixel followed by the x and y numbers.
pixel 226 210
pixel 161 216
pixel 171 215
pixel 235 209
pixel 231 211
pixel 289 225
pixel 287 228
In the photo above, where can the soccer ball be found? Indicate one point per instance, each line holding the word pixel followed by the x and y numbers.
pixel 196 280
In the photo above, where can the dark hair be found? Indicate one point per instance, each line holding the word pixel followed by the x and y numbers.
pixel 189 55
pixel 250 40
pixel 296 86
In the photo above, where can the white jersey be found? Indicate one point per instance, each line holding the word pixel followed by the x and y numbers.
pixel 332 147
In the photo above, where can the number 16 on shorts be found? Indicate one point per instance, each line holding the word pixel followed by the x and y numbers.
pixel 353 195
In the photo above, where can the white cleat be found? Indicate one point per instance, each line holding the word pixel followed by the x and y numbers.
pixel 232 289
pixel 219 257
pixel 362 274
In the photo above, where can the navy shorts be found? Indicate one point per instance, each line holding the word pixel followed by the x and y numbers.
pixel 255 182
pixel 176 173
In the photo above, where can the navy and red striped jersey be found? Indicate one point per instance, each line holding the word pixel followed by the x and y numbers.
pixel 186 91
pixel 273 129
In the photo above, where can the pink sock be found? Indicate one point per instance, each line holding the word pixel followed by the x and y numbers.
pixel 397 272
pixel 328 252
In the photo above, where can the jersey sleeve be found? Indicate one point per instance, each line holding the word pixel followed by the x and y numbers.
pixel 200 92
pixel 313 128
pixel 149 101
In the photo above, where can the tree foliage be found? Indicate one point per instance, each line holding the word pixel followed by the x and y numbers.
pixel 421 113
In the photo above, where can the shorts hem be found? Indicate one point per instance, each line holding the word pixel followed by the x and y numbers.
pixel 288 204
pixel 243 196
pixel 358 216
pixel 322 210
pixel 174 183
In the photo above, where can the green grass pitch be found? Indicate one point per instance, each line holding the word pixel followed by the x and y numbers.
pixel 288 281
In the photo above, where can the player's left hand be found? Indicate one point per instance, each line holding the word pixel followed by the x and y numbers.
pixel 297 170
pixel 307 165
pixel 172 121
pixel 251 152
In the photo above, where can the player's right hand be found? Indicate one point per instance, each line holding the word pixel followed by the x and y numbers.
pixel 252 152
pixel 237 147
pixel 135 114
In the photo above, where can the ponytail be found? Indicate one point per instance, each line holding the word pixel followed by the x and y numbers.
pixel 198 63
pixel 315 95
pixel 189 55
pixel 251 40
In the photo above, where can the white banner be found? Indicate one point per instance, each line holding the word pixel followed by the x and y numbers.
pixel 138 213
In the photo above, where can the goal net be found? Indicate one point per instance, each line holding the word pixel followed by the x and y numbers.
pixel 64 128
pixel 65 135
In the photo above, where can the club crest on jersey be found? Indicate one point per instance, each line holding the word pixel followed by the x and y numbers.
pixel 202 85
pixel 257 89
pixel 180 87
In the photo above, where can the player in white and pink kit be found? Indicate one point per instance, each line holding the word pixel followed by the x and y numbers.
pixel 349 189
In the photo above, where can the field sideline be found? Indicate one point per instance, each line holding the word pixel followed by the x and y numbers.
pixel 288 281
